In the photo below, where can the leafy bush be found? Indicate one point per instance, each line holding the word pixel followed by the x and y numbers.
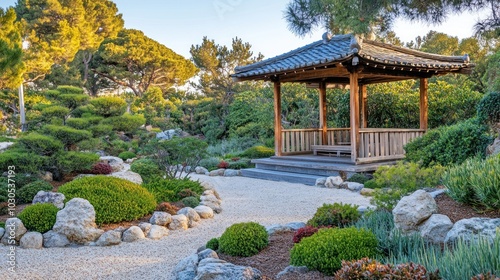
pixel 101 130
pixel 56 111
pixel 371 184
pixel 337 215
pixel 243 239
pixel 75 161
pixel 191 201
pixel 170 189
pixel 488 109
pixel 240 164
pixel 109 106
pixel 209 163
pixel 358 178
pixel 72 101
pixel 67 135
pixel 126 155
pixel 370 269
pixel 24 161
pixel 440 146
pixel 78 123
pixel 325 250
pixel 40 144
pixel 114 199
pixel 90 145
pixel 101 168
pixel 304 232
pixel 475 182
pixel 213 244
pixel 258 152
pixel 28 192
pixel 2 225
pixel 147 168
pixel 69 90
pixel 167 207
pixel 39 217
pixel 126 123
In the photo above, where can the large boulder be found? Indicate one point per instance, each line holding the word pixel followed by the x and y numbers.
pixel 292 272
pixel 31 240
pixel 179 222
pixel 160 218
pixel 128 175
pixel 334 182
pixel 217 172
pixel 201 170
pixel 436 228
pixel 352 186
pixel 473 229
pixel 146 227
pixel 14 230
pixel 167 134
pixel 132 234
pixel 54 239
pixel 216 269
pixel 320 182
pixel 115 162
pixel 157 232
pixel 191 214
pixel 231 173
pixel 77 222
pixel 412 210
pixel 50 197
pixel 109 238
pixel 204 212
pixel 186 268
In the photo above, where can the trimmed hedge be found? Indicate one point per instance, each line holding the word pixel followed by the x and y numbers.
pixel 40 144
pixel 67 135
pixel 39 217
pixel 168 190
pixel 243 239
pixel 126 123
pixel 28 192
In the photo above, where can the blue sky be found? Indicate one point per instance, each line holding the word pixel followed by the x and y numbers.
pixel 180 24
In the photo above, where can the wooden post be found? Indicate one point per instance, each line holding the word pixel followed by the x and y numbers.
pixel 354 112
pixel 322 114
pixel 423 103
pixel 277 118
pixel 363 105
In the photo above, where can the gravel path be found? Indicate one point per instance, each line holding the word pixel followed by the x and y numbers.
pixel 243 199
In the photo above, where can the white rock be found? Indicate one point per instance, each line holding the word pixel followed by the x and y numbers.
pixel 412 210
pixel 217 172
pixel 5 145
pixel 111 237
pixel 211 268
pixel 157 232
pixel 207 253
pixel 115 162
pixel 204 212
pixel 436 228
pixel 50 197
pixel 54 239
pixel 191 214
pixel 186 268
pixel 146 227
pixel 214 206
pixel 14 229
pixel 2 231
pixel 160 218
pixel 291 271
pixel 132 234
pixel 128 175
pixel 200 170
pixel 77 222
pixel 230 173
pixel 320 182
pixel 179 222
pixel 473 229
pixel 207 185
pixel 31 240
pixel 355 187
pixel 333 182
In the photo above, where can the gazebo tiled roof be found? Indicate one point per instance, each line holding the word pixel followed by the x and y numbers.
pixel 377 62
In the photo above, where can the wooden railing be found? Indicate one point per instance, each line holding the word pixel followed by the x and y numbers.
pixel 296 141
pixel 384 144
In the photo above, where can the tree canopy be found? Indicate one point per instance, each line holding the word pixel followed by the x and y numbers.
pixel 11 66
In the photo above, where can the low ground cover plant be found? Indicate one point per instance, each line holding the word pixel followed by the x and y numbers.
pixel 171 190
pixel 243 239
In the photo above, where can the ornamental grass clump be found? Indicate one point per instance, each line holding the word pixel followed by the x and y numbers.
pixel 336 215
pixel 325 250
pixel 39 217
pixel 243 239
pixel 114 199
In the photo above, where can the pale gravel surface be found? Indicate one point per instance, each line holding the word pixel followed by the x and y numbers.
pixel 243 199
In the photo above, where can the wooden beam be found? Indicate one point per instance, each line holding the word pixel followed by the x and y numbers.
pixel 354 112
pixel 277 119
pixel 363 105
pixel 423 103
pixel 322 113
pixel 300 75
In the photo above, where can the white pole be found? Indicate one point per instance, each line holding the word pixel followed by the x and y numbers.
pixel 21 108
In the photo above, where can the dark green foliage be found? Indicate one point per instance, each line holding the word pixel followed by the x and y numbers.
pixel 243 239
pixel 258 152
pixel 371 184
pixel 78 123
pixel 337 215
pixel 69 136
pixel 167 190
pixel 39 217
pixel 325 250
pixel 90 145
pixel 24 161
pixel 488 109
pixel 126 155
pixel 371 269
pixel 213 244
pixel 114 199
pixel 126 123
pixel 69 90
pixel 191 201
pixel 76 161
pixel 72 101
pixel 358 178
pixel 40 144
pixel 109 106
pixel 147 168
pixel 449 145
pixel 101 130
pixel 240 164
pixel 56 111
pixel 2 225
pixel 28 192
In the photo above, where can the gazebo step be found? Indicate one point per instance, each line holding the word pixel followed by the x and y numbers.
pixel 280 176
pixel 324 169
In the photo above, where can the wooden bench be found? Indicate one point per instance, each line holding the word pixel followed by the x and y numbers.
pixel 339 149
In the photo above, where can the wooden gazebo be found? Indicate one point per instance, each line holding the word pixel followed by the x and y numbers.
pixel 349 61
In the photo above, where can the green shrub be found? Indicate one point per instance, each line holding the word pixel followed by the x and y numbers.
pixel 39 217
pixel 76 161
pixel 258 152
pixel 488 109
pixel 147 168
pixel 191 201
pixel 337 215
pixel 439 146
pixel 69 136
pixel 90 145
pixel 109 106
pixel 371 184
pixel 28 192
pixel 55 111
pixel 24 161
pixel 325 250
pixel 126 123
pixel 69 90
pixel 93 120
pixel 475 182
pixel 371 269
pixel 78 123
pixel 358 178
pixel 213 244
pixel 2 224
pixel 40 144
pixel 101 130
pixel 243 239
pixel 114 199
pixel 210 163
pixel 239 164
pixel 126 155
pixel 387 199
pixel 168 190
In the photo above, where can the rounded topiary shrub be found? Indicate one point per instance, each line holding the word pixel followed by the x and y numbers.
pixel 191 201
pixel 126 155
pixel 39 217
pixel 114 199
pixel 28 192
pixel 213 244
pixel 325 250
pixel 78 123
pixel 147 168
pixel 258 152
pixel 337 215
pixel 243 239
pixel 101 168
pixel 40 144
